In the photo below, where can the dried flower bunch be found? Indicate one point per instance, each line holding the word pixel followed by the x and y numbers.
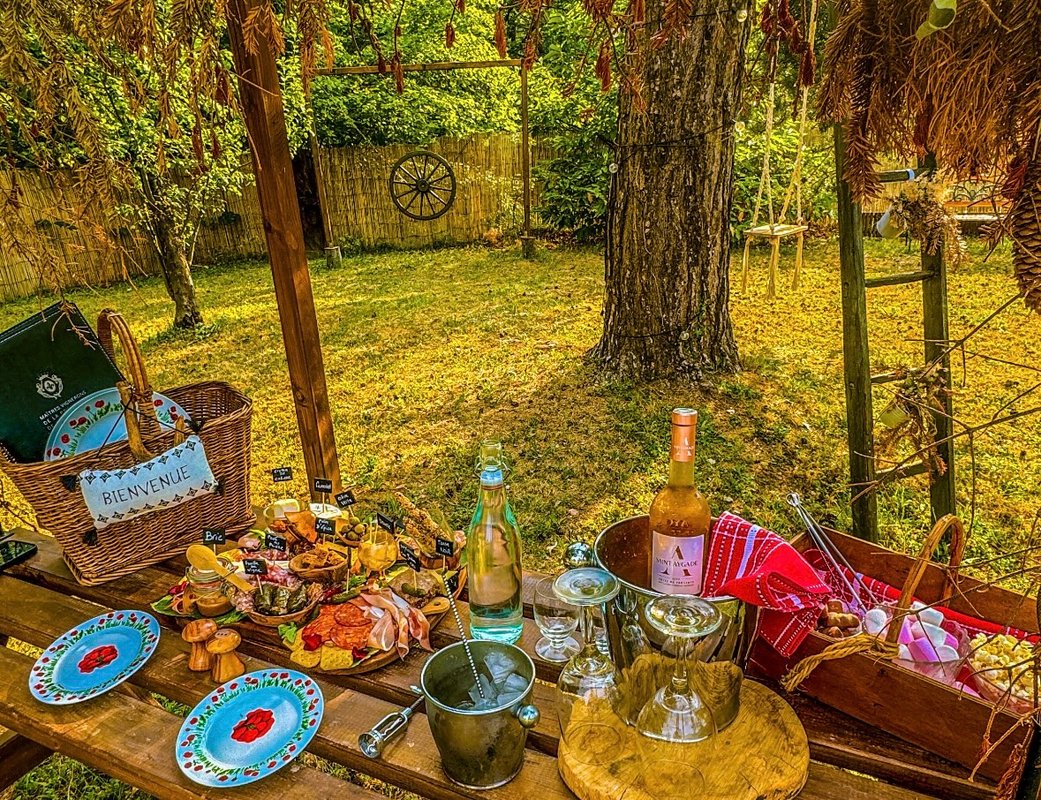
pixel 970 93
pixel 922 213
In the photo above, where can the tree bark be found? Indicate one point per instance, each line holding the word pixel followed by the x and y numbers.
pixel 667 259
pixel 173 257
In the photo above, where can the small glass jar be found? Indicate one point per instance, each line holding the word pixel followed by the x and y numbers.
pixel 205 592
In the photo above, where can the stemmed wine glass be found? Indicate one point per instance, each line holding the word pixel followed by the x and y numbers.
pixel 676 726
pixel 588 690
pixel 557 620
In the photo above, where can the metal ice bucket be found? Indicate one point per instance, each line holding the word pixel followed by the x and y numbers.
pixel 637 648
pixel 479 749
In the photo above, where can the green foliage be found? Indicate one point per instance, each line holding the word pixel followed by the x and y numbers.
pixel 367 109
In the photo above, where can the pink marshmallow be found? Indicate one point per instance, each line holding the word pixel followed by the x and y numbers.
pixel 951 641
pixel 923 650
pixel 907 634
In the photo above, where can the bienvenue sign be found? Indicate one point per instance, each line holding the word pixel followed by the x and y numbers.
pixel 171 478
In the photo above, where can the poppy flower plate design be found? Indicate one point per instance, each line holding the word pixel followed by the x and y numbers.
pixel 94 657
pixel 98 419
pixel 250 727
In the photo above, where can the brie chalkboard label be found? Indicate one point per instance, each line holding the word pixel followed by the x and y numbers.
pixel 346 499
pixel 452 582
pixel 324 526
pixel 409 556
pixel 275 542
pixel 254 566
pixel 385 522
pixel 282 474
pixel 444 547
pixel 213 536
pixel 323 485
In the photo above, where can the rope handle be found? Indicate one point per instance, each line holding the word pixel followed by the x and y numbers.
pixel 136 393
pixel 958 541
pixel 887 648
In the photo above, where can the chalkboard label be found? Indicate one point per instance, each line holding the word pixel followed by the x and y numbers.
pixel 386 522
pixel 282 474
pixel 409 556
pixel 324 527
pixel 346 499
pixel 275 542
pixel 452 582
pixel 444 547
pixel 213 536
pixel 254 566
pixel 323 485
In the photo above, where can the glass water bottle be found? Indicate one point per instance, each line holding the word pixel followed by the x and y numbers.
pixel 493 556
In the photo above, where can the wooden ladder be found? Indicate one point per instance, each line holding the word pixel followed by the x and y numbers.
pixel 857 359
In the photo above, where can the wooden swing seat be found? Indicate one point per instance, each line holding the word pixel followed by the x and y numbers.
pixel 774 233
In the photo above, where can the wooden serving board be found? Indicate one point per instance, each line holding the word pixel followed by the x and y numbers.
pixel 763 755
pixel 383 659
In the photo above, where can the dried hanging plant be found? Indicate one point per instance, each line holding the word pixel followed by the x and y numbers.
pixel 971 94
pixel 909 417
pixel 923 215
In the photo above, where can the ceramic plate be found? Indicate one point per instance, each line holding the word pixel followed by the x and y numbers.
pixel 98 419
pixel 250 727
pixel 94 657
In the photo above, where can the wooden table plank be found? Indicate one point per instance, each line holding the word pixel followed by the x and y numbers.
pixel 37 615
pixel 833 737
pixel 134 742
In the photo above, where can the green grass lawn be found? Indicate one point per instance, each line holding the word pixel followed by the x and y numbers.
pixel 429 352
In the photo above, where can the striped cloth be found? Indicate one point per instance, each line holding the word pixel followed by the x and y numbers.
pixel 759 567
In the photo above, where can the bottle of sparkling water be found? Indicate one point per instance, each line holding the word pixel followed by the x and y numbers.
pixel 493 556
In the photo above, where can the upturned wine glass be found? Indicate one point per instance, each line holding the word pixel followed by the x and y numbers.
pixel 557 620
pixel 588 690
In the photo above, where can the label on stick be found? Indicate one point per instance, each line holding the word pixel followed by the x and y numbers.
pixel 346 499
pixel 275 542
pixel 323 485
pixel 409 556
pixel 282 474
pixel 324 526
pixel 385 522
pixel 444 547
pixel 213 536
pixel 254 566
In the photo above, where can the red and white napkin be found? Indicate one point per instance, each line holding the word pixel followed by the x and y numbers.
pixel 759 567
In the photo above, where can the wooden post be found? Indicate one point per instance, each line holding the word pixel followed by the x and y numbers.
pixel 261 101
pixel 934 311
pixel 856 359
pixel 527 240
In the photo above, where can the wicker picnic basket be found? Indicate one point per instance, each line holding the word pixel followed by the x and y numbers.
pixel 219 414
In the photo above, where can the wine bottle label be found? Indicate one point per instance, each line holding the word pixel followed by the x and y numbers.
pixel 678 563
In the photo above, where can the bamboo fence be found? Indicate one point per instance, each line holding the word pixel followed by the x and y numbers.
pixel 488 199
pixel 488 192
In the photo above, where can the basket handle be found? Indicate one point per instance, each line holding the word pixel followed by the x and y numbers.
pixel 136 393
pixel 914 577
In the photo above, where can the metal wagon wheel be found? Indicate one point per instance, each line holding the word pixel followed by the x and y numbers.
pixel 422 185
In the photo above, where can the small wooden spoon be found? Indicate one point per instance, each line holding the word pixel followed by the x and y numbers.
pixel 202 557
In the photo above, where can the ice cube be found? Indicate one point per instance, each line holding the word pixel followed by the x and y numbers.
pixel 506 698
pixel 499 666
pixel 486 704
pixel 514 683
pixel 486 689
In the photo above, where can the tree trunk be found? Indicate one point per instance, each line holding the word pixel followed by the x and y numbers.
pixel 173 258
pixel 667 256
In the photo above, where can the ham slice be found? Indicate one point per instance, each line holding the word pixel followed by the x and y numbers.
pixel 418 624
pixel 383 633
pixel 384 599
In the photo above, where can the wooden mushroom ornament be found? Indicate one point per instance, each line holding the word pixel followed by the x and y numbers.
pixel 196 633
pixel 222 647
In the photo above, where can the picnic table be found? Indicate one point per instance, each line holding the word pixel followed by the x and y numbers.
pixel 129 735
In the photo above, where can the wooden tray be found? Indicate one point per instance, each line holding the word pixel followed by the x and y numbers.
pixel 763 755
pixel 895 699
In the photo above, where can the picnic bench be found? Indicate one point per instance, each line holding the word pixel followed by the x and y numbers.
pixel 127 734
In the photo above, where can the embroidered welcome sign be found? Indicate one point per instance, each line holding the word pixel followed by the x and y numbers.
pixel 174 477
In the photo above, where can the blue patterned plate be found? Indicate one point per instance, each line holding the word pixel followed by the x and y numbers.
pixel 98 420
pixel 94 657
pixel 249 727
